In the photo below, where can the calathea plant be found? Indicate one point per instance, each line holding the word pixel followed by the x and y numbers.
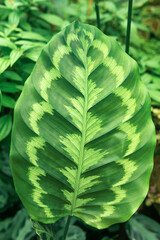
pixel 83 138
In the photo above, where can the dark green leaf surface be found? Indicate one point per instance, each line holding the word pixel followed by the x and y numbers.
pixel 83 138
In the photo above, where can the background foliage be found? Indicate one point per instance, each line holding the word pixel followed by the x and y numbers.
pixel 25 27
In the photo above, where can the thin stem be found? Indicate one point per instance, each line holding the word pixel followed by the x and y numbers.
pixel 129 25
pixel 97 13
pixel 66 227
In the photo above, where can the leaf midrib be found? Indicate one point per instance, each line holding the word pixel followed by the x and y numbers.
pixel 83 139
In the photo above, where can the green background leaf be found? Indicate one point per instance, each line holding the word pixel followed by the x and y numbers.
pixel 5 126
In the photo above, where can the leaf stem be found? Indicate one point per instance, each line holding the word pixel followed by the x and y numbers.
pixel 67 227
pixel 97 13
pixel 130 4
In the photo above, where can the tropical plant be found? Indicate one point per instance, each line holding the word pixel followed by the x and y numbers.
pixel 83 138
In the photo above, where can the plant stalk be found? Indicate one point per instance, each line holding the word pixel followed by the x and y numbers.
pixel 130 4
pixel 66 227
pixel 97 13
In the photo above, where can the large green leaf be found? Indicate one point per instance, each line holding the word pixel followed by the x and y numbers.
pixel 83 138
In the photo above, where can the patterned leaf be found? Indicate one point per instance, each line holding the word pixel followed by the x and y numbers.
pixel 83 138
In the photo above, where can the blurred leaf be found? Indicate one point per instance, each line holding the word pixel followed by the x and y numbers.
pixel 155 95
pixel 51 18
pixel 12 75
pixel 34 53
pixel 28 44
pixel 74 233
pixel 139 3
pixel 154 62
pixel 28 67
pixel 109 6
pixel 8 101
pixel 4 63
pixel 0 100
pixel 44 231
pixel 17 228
pixel 10 87
pixel 4 162
pixel 14 18
pixel 5 126
pixel 106 238
pixel 15 55
pixel 5 42
pixel 140 227
pixel 32 36
pixel 3 195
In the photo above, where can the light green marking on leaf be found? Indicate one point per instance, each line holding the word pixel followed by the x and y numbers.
pixel 71 37
pixel 79 50
pixel 127 100
pixel 101 46
pixel 32 146
pixel 34 175
pixel 92 157
pixel 86 38
pixel 86 183
pixel 132 136
pixel 115 69
pixel 81 202
pixel 78 74
pixel 71 144
pixel 92 122
pixel 38 110
pixel 93 93
pixel 120 194
pixel 59 54
pixel 129 167
pixel 46 81
pixel 106 212
pixel 70 174
pixel 88 34
pixel 76 112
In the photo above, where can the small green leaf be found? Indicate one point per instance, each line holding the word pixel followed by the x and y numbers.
pixel 4 64
pixel 28 45
pixel 15 55
pixel 34 53
pixel 32 36
pixel 12 75
pixel 8 101
pixel 10 87
pixel 14 18
pixel 5 42
pixel 155 95
pixel 50 18
pixel 5 126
